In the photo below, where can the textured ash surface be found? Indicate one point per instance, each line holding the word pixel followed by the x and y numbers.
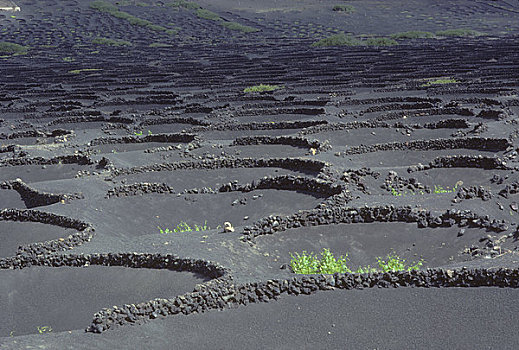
pixel 101 145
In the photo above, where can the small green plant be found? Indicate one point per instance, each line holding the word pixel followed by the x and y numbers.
pixel 184 227
pixel 439 82
pixel 160 45
pixel 262 88
pixel 185 4
pixel 44 329
pixel 239 27
pixel 167 230
pixel 206 14
pixel 413 34
pixel 459 32
pixel 309 263
pixel 77 71
pixel 380 42
pixel 395 263
pixel 338 40
pixel 110 42
pixel 12 49
pixel 344 8
pixel 348 40
pixel 106 7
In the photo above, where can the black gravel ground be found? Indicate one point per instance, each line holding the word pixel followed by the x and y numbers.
pixel 408 149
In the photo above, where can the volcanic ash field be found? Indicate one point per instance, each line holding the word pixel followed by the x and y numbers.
pixel 229 175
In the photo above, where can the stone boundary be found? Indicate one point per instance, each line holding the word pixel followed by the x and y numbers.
pixel 283 182
pixel 34 198
pixel 476 143
pixel 68 159
pixel 282 140
pixel 286 163
pixel 366 214
pixel 27 253
pixel 184 138
pixel 223 294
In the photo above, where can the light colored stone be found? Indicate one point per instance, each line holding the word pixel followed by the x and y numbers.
pixel 227 227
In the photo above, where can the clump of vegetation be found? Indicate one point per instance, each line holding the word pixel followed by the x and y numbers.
pixel 380 42
pixel 114 11
pixel 184 227
pixel 262 88
pixel 77 71
pixel 206 14
pixel 348 40
pixel 160 45
pixel 344 8
pixel 44 329
pixel 12 48
pixel 439 82
pixel 185 4
pixel 338 40
pixel 110 42
pixel 414 34
pixel 309 263
pixel 239 27
pixel 459 32
pixel 210 15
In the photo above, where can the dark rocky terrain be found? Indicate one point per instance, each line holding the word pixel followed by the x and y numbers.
pixel 121 120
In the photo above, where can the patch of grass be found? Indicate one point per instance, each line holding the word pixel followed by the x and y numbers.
pixel 459 32
pixel 114 11
pixel 380 42
pixel 44 329
pixel 77 71
pixel 12 48
pixel 239 27
pixel 309 263
pixel 414 34
pixel 262 88
pixel 338 40
pixel 68 59
pixel 348 40
pixel 185 4
pixel 206 14
pixel 439 82
pixel 344 8
pixel 110 42
pixel 160 45
pixel 184 227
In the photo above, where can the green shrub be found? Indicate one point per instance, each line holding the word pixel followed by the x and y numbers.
pixel 309 263
pixel 184 227
pixel 77 71
pixel 338 40
pixel 395 263
pixel 414 34
pixel 110 42
pixel 12 48
pixel 439 82
pixel 160 45
pixel 240 27
pixel 185 4
pixel 380 42
pixel 348 40
pixel 206 14
pixel 114 11
pixel 459 32
pixel 262 88
pixel 103 6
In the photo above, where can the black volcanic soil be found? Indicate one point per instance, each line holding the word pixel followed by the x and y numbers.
pixel 408 149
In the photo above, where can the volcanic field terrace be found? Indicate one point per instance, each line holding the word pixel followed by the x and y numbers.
pixel 283 174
